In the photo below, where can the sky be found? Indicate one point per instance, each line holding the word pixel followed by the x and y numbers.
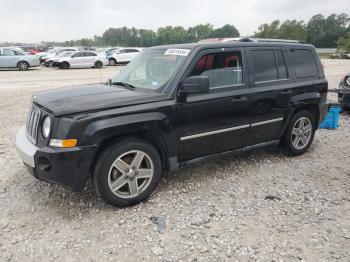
pixel 32 21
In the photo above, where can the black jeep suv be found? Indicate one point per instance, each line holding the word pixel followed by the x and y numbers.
pixel 172 106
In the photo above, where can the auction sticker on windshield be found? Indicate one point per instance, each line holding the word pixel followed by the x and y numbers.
pixel 179 52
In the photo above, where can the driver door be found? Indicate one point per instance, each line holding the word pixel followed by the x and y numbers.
pixel 217 121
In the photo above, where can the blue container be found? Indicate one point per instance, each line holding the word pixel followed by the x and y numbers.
pixel 332 119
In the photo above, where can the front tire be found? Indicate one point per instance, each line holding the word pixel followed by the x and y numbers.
pixel 127 173
pixel 112 62
pixel 23 66
pixel 64 65
pixel 300 133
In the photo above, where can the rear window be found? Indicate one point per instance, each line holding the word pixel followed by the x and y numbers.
pixel 304 62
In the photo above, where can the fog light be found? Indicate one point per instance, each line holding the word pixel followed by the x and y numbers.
pixel 63 143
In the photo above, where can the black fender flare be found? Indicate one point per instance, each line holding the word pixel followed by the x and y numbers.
pixel 154 127
pixel 297 102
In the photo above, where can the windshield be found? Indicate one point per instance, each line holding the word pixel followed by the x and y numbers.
pixel 151 69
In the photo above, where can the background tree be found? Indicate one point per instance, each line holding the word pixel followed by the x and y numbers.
pixel 343 43
pixel 324 32
pixel 289 29
pixel 225 31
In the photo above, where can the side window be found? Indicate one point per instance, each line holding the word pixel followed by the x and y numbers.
pixel 80 54
pixel 122 51
pixel 89 54
pixel 304 62
pixel 17 52
pixel 7 52
pixel 222 68
pixel 264 64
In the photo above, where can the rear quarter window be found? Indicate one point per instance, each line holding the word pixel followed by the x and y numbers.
pixel 304 63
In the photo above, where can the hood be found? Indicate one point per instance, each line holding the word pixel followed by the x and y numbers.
pixel 78 99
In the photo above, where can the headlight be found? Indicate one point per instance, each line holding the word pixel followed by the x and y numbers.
pixel 347 81
pixel 46 127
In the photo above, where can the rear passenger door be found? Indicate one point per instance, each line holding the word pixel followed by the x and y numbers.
pixel 271 89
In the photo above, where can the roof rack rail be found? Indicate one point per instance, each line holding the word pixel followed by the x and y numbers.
pixel 249 39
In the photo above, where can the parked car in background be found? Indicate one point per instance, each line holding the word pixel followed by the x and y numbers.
pixel 10 58
pixel 344 92
pixel 173 106
pixel 56 60
pixel 340 55
pixel 80 59
pixel 48 60
pixel 124 55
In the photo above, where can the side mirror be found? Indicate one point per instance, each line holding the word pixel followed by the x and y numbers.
pixel 195 85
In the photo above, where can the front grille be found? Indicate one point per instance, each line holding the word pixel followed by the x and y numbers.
pixel 33 123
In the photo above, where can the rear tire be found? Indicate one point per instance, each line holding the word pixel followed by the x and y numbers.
pixel 98 64
pixel 300 133
pixel 127 172
pixel 22 66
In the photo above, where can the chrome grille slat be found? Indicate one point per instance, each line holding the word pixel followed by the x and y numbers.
pixel 33 123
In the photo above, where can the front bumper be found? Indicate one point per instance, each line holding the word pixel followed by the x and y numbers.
pixel 344 97
pixel 67 167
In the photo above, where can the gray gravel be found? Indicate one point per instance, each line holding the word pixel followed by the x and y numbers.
pixel 259 206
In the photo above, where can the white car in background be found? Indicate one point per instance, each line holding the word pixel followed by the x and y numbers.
pixel 124 55
pixel 48 60
pixel 10 58
pixel 81 59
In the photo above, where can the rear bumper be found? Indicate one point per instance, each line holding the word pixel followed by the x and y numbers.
pixel 67 167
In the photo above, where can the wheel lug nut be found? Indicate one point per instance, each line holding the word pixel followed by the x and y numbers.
pixel 133 168
pixel 126 170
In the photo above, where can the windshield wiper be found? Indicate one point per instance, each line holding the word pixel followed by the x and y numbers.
pixel 129 86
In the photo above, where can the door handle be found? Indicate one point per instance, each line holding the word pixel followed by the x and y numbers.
pixel 239 99
pixel 287 92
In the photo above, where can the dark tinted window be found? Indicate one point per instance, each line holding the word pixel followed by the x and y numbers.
pixel 304 62
pixel 281 65
pixel 90 54
pixel 264 65
pixel 223 68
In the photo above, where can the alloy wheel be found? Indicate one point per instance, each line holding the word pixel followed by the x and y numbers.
pixel 301 133
pixel 130 174
pixel 22 66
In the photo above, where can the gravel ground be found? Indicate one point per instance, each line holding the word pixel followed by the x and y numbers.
pixel 262 206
